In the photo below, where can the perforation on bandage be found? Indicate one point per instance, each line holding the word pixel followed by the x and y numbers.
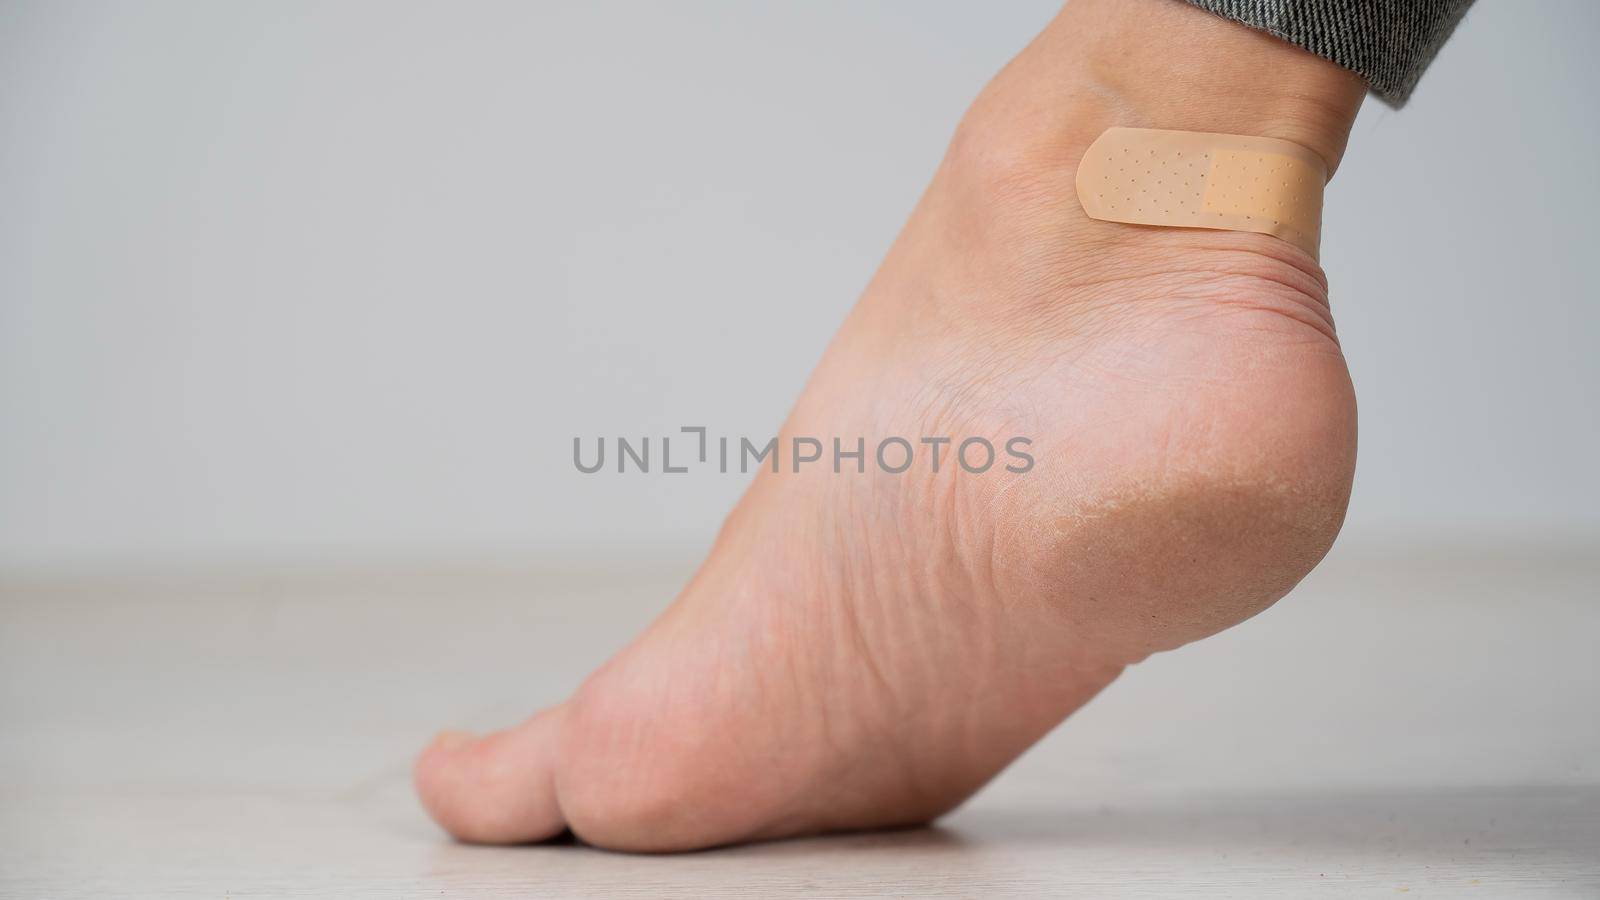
pixel 1192 179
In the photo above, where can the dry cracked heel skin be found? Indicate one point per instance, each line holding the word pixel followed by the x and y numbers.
pixel 1191 179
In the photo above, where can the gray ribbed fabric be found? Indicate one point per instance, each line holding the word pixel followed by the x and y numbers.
pixel 1387 42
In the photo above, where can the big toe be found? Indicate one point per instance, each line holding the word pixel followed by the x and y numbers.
pixel 497 789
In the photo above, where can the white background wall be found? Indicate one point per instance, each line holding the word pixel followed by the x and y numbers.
pixel 311 282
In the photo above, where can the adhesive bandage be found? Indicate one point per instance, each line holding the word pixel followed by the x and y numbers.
pixel 1191 179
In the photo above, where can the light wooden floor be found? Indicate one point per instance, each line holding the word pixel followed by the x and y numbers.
pixel 1425 723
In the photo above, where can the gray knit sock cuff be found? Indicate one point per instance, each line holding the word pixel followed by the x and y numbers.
pixel 1387 42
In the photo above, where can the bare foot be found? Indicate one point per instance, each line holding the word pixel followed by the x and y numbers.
pixel 868 650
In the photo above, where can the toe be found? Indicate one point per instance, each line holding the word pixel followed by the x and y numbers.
pixel 498 789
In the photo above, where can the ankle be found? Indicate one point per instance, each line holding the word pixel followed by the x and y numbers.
pixel 1161 64
pixel 1172 65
